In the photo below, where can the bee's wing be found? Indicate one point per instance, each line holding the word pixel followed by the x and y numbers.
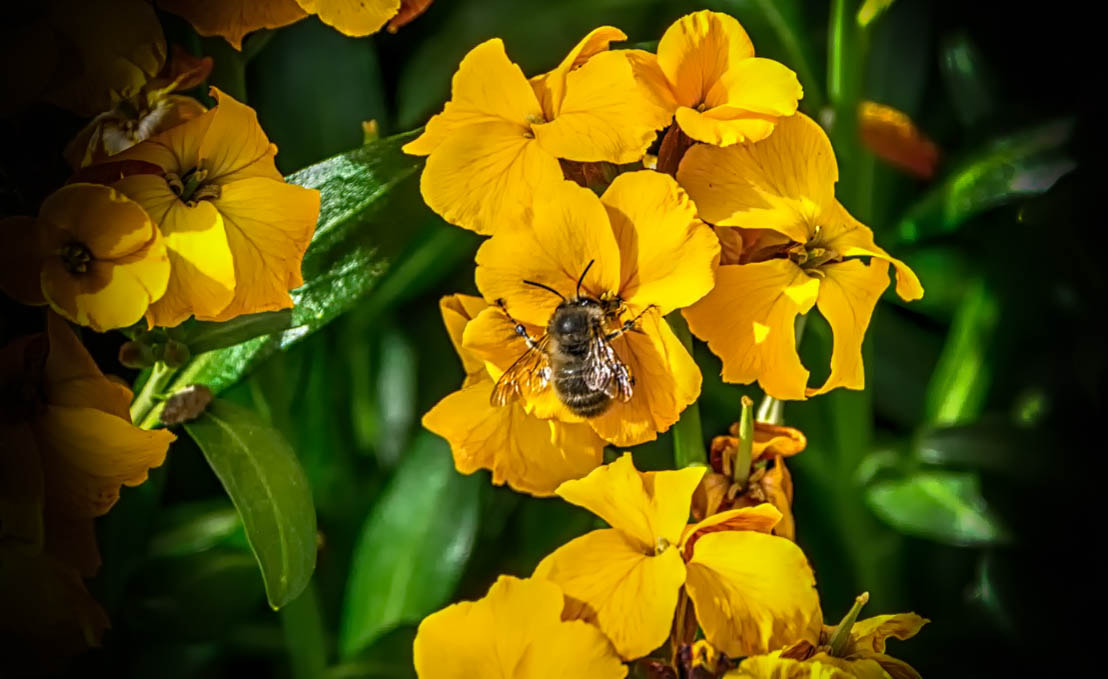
pixel 605 371
pixel 530 372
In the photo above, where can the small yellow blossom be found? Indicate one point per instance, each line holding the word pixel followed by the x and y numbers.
pixel 233 19
pixel 93 254
pixel 705 74
pixel 516 631
pixel 235 231
pixel 529 454
pixel 785 187
pixel 751 591
pixel 497 143
pixel 641 243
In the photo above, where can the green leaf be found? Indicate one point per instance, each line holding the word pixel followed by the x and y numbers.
pixel 990 444
pixel 195 527
pixel 943 506
pixel 1024 164
pixel 264 480
pixel 204 336
pixel 412 547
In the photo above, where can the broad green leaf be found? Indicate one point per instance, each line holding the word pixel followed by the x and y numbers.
pixel 943 506
pixel 990 444
pixel 264 480
pixel 194 527
pixel 412 547
pixel 204 336
pixel 396 394
pixel 1027 163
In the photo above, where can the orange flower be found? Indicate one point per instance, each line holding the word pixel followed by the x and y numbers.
pixel 895 139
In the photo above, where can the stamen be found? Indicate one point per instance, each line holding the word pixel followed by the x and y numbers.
pixel 660 545
pixel 75 257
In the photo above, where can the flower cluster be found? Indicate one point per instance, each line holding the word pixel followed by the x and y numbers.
pixel 626 194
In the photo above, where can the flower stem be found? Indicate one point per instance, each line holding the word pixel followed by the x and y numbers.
pixel 688 435
pixel 740 469
pixel 151 393
pixel 304 637
pixel 841 635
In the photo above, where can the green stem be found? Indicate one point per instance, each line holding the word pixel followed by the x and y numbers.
pixel 229 70
pixel 740 469
pixel 144 403
pixel 841 635
pixel 688 435
pixel 304 636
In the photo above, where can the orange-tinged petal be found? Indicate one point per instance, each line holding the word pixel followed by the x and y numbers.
pixel 353 17
pixel 202 279
pixel 748 321
pixel 894 138
pixel 175 150
pixel 21 260
pixel 530 455
pixel 603 115
pixel 550 88
pixel 71 378
pixel 458 310
pixel 234 145
pixel 847 297
pixel 485 177
pixel 782 183
pixel 409 11
pixel 645 507
pixel 487 88
pixel 667 380
pixel 772 440
pixel 759 518
pixel 269 225
pixel 851 238
pixel 870 635
pixel 569 229
pixel 753 592
pixel 668 257
pixel 88 454
pixel 233 19
pixel 516 631
pixel 698 49
pixel 629 594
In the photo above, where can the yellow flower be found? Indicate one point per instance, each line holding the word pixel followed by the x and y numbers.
pixel 93 254
pixel 235 231
pixel 642 245
pixel 516 631
pixel 706 75
pixel 859 654
pixel 529 454
pixel 785 186
pixel 496 144
pixel 153 110
pixel 751 591
pixel 233 19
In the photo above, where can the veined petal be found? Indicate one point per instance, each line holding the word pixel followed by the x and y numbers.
pixel 847 297
pixel 88 454
pixel 550 88
pixel 652 82
pixel 667 380
pixel 748 321
pixel 353 17
pixel 569 230
pixel 518 448
pixel 105 221
pixel 642 506
pixel 752 592
pixel 760 518
pixel 487 88
pixel 630 595
pixel 698 49
pixel 870 635
pixel 72 378
pixel 668 257
pixel 851 238
pixel 773 666
pixel 757 85
pixel 458 310
pixel 603 115
pixel 176 150
pixel 782 183
pixel 486 178
pixel 202 278
pixel 234 145
pixel 233 19
pixel 724 125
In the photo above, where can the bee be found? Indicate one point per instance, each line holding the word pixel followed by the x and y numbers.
pixel 575 354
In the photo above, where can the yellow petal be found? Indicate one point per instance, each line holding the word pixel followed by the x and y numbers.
pixel 487 88
pixel 101 218
pixel 202 279
pixel 88 454
pixel 753 592
pixel 757 85
pixel 667 380
pixel 773 666
pixel 72 378
pixel 458 310
pixel 530 455
pixel 485 177
pixel 353 17
pixel 569 230
pixel 603 115
pixel 234 145
pixel 233 19
pixel 175 150
pixel 21 260
pixel 697 50
pixel 851 238
pixel 761 518
pixel 515 631
pixel 630 595
pixel 782 183
pixel 748 321
pixel 870 635
pixel 724 126
pixel 269 225
pixel 550 88
pixel 668 257
pixel 652 82
pixel 847 297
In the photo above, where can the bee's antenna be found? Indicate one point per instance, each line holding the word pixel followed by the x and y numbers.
pixel 582 278
pixel 546 287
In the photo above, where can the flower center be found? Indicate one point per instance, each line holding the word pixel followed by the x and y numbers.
pixel 814 254
pixel 75 257
pixel 660 545
pixel 191 187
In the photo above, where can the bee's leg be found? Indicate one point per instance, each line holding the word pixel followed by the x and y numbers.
pixel 519 328
pixel 628 326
